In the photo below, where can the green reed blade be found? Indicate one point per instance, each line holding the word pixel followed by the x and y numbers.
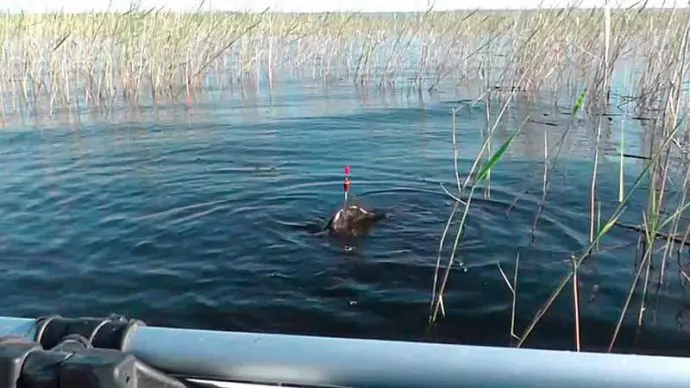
pixel 484 172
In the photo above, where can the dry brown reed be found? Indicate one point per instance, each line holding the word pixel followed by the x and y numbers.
pixel 98 58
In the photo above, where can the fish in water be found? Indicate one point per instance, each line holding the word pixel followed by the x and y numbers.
pixel 349 221
pixel 353 221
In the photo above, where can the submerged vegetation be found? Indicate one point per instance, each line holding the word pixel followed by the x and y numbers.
pixel 571 56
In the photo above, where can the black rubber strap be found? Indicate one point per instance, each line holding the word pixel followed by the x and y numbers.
pixel 41 323
pixel 73 362
pixel 107 333
pixel 115 333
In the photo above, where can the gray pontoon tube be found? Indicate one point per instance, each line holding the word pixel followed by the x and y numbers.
pixel 217 356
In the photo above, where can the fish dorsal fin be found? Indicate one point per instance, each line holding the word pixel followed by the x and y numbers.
pixel 337 216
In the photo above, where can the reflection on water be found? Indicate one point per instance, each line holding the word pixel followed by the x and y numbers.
pixel 184 215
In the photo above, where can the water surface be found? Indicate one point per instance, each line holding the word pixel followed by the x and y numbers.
pixel 181 216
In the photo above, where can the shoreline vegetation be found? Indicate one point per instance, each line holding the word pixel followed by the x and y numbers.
pixel 595 62
pixel 101 58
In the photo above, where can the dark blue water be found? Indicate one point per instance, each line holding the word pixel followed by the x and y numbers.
pixel 184 216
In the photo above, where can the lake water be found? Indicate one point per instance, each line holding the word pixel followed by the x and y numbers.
pixel 184 216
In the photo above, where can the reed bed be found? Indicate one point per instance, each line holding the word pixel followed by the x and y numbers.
pixel 59 60
pixel 658 44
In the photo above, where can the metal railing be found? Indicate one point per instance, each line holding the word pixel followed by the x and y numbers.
pixel 294 360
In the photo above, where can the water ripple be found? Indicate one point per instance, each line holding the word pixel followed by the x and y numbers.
pixel 196 223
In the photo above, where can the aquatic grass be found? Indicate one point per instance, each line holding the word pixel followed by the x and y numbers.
pixel 437 298
pixel 576 304
pixel 607 70
pixel 484 173
pixel 577 260
pixel 611 222
pixel 670 120
pixel 621 163
pixel 662 100
pixel 481 176
pixel 63 60
pixel 550 164
pixel 512 286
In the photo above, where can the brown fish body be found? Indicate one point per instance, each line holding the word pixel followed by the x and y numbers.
pixel 353 221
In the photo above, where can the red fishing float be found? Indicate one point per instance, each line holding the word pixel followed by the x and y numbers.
pixel 346 185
